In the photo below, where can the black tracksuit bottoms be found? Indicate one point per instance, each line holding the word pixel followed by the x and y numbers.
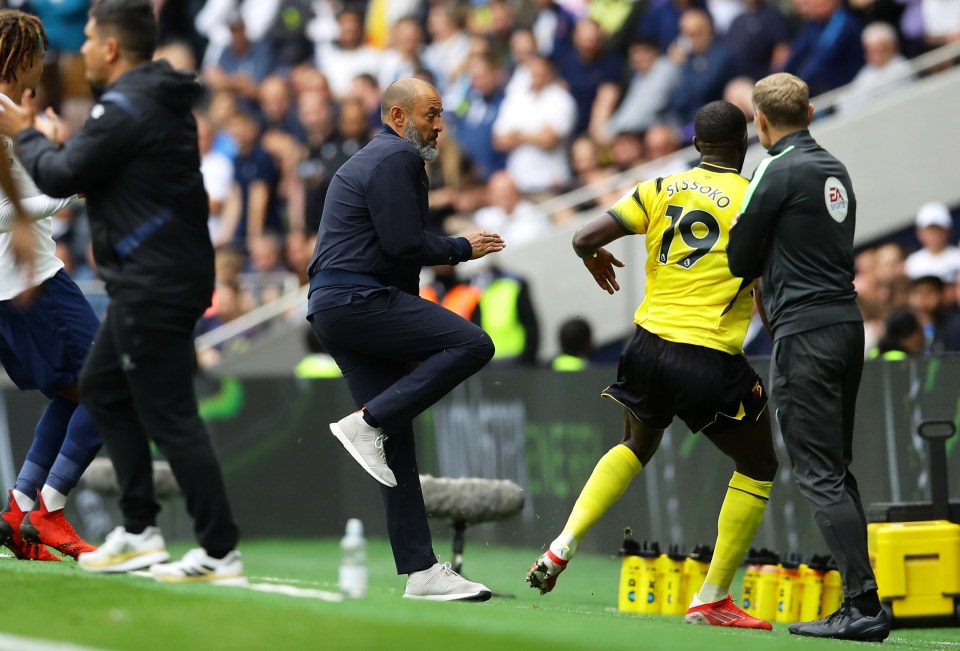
pixel 815 378
pixel 399 354
pixel 138 385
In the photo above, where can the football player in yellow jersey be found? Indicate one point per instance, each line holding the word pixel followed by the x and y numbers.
pixel 686 358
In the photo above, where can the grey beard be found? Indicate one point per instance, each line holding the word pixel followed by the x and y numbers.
pixel 427 151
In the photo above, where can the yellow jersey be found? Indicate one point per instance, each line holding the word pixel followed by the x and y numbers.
pixel 690 295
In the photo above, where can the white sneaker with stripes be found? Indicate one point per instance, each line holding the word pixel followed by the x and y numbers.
pixel 197 567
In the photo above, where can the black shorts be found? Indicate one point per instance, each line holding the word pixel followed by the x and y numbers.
pixel 708 389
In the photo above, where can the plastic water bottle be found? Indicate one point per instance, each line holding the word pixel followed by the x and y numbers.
pixel 353 561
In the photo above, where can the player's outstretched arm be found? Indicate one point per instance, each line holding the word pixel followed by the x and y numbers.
pixel 588 243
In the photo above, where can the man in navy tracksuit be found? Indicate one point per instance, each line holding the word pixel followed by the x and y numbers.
pixel 399 353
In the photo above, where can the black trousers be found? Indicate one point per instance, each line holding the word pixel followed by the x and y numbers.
pixel 138 385
pixel 400 354
pixel 815 378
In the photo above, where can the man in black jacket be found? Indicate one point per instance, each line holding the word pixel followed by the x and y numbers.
pixel 398 352
pixel 796 230
pixel 137 161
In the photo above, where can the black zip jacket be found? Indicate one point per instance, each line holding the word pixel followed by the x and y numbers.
pixel 138 163
pixel 796 230
pixel 374 216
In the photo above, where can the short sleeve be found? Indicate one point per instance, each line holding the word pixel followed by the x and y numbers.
pixel 632 210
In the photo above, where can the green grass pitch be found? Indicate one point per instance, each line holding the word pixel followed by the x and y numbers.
pixel 58 602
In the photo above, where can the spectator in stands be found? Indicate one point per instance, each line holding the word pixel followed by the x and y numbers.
pixel 178 54
pixel 576 345
pixel 282 133
pixel 523 48
pixel 589 169
pixel 902 337
pixel 473 116
pixel 626 150
pixel 827 53
pixel 403 59
pixel 533 127
pixel 242 66
pixel 516 220
pixel 364 87
pixel 723 13
pixel 452 187
pixel 885 70
pixel 266 275
pixel 323 155
pixel 552 27
pixel 449 44
pixel 739 92
pixel 217 171
pixel 215 19
pixel 940 320
pixel 706 66
pixel 222 107
pixel 253 205
pixel 276 106
pixel 287 36
pixel 890 263
pixel 660 141
pixel 64 84
pixel 592 74
pixel 228 304
pixel 652 80
pixel 941 21
pixel 662 22
pixel 937 257
pixel 759 39
pixel 347 57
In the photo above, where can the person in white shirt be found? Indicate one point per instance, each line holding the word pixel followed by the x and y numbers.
pixel 533 127
pixel 516 220
pixel 885 69
pixel 937 257
pixel 217 170
pixel 449 46
pixel 403 59
pixel 46 329
pixel 347 57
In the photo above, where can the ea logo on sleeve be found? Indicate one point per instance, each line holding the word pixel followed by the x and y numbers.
pixel 836 198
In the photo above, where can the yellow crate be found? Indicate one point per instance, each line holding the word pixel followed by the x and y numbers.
pixel 917 566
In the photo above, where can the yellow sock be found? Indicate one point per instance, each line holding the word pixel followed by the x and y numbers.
pixel 740 517
pixel 608 481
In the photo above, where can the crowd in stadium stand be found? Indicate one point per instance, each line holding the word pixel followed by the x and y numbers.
pixel 540 97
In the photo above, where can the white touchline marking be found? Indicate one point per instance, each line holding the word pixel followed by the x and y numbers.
pixel 292 591
pixel 17 643
pixel 276 586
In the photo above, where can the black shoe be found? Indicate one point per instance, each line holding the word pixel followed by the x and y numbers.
pixel 848 623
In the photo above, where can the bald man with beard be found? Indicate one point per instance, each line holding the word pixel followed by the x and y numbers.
pixel 398 352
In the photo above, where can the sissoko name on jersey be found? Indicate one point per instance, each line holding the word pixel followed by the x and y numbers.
pixel 690 295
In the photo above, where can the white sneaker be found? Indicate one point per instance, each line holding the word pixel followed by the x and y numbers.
pixel 365 445
pixel 441 583
pixel 197 567
pixel 126 552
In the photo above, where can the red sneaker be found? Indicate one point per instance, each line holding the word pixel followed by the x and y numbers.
pixel 724 613
pixel 10 521
pixel 51 528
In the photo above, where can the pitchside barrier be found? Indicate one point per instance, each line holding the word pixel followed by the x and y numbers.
pixel 540 429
